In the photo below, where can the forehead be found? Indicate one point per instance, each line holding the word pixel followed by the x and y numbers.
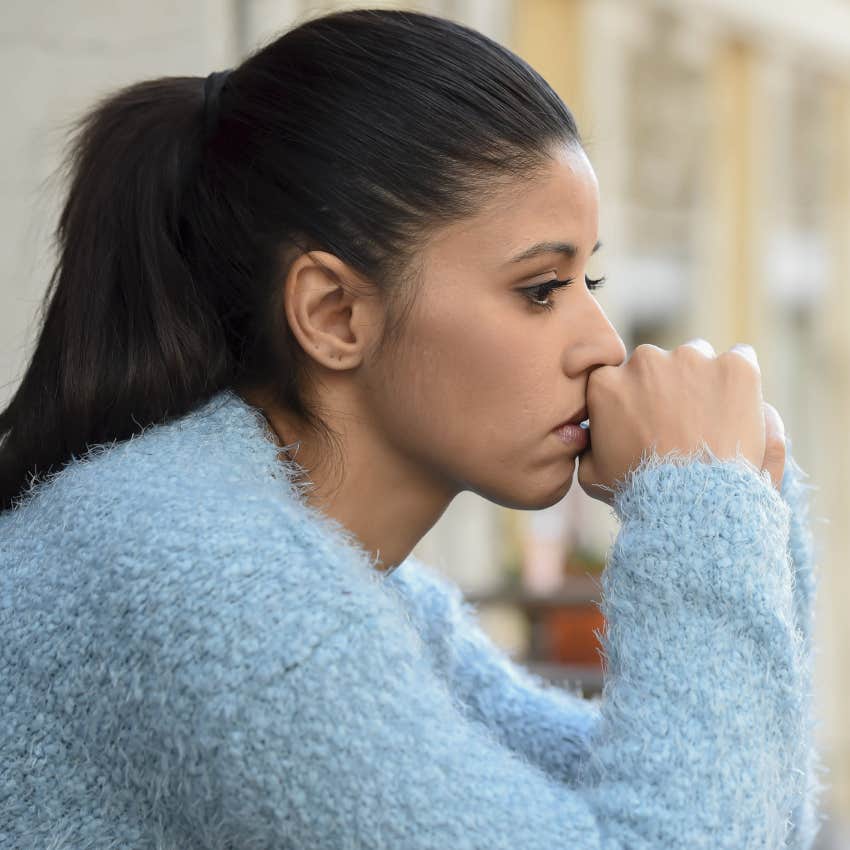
pixel 558 203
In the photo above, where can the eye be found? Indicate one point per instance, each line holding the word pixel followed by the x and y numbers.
pixel 539 295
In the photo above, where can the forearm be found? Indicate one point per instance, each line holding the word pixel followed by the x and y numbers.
pixel 701 551
pixel 556 729
pixel 551 726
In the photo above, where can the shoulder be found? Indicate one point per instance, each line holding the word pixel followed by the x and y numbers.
pixel 202 588
pixel 239 559
pixel 193 523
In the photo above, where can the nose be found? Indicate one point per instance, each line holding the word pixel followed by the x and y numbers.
pixel 601 344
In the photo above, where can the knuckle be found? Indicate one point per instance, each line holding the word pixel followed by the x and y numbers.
pixel 699 345
pixel 647 349
pixel 744 351
pixel 692 352
pixel 739 365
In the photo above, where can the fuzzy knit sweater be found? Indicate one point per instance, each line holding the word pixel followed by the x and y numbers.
pixel 191 657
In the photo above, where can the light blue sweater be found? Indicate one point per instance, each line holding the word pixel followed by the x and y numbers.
pixel 191 657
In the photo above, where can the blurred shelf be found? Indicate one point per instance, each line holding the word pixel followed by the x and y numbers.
pixel 576 590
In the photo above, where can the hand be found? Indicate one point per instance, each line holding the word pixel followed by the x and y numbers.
pixel 675 401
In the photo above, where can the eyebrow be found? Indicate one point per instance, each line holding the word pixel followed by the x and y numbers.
pixel 567 248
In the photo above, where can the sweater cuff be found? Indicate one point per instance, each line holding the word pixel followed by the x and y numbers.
pixel 695 526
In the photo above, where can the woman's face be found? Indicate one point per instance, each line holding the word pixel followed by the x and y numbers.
pixel 483 375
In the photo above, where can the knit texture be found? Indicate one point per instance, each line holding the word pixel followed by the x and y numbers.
pixel 192 657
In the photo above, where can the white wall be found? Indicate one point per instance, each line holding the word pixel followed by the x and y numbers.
pixel 56 58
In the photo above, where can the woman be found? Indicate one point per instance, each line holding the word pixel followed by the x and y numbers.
pixel 298 307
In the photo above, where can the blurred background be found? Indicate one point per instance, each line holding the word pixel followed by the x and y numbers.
pixel 720 134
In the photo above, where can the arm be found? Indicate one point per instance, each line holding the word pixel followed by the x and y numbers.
pixel 235 728
pixel 551 726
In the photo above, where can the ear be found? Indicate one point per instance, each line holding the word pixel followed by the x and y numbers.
pixel 333 312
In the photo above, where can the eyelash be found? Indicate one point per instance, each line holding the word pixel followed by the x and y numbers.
pixel 551 285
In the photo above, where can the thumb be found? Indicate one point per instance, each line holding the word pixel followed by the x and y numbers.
pixel 774 449
pixel 588 479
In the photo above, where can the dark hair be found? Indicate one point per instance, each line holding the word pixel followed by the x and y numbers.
pixel 358 132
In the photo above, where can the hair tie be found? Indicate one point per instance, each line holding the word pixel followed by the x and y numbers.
pixel 213 85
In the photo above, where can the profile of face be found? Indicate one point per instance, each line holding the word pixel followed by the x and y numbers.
pixel 485 374
pixel 469 398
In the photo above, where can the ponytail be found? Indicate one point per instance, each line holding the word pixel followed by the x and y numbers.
pixel 129 336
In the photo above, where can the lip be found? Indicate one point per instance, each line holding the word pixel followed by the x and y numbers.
pixel 578 439
pixel 577 419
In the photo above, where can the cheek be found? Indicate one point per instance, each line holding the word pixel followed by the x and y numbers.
pixel 469 380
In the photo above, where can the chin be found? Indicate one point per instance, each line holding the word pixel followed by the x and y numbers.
pixel 532 498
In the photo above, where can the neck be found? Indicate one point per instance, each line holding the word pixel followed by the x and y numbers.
pixel 385 500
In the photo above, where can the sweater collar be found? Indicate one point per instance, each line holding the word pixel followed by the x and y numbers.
pixel 241 433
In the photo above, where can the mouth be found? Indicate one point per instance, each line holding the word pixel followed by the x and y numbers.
pixel 575 432
pixel 579 417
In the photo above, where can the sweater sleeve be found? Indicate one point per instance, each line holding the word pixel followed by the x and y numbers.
pixel 806 818
pixel 351 740
pixel 551 726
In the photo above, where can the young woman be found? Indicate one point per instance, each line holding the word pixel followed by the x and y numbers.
pixel 299 306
